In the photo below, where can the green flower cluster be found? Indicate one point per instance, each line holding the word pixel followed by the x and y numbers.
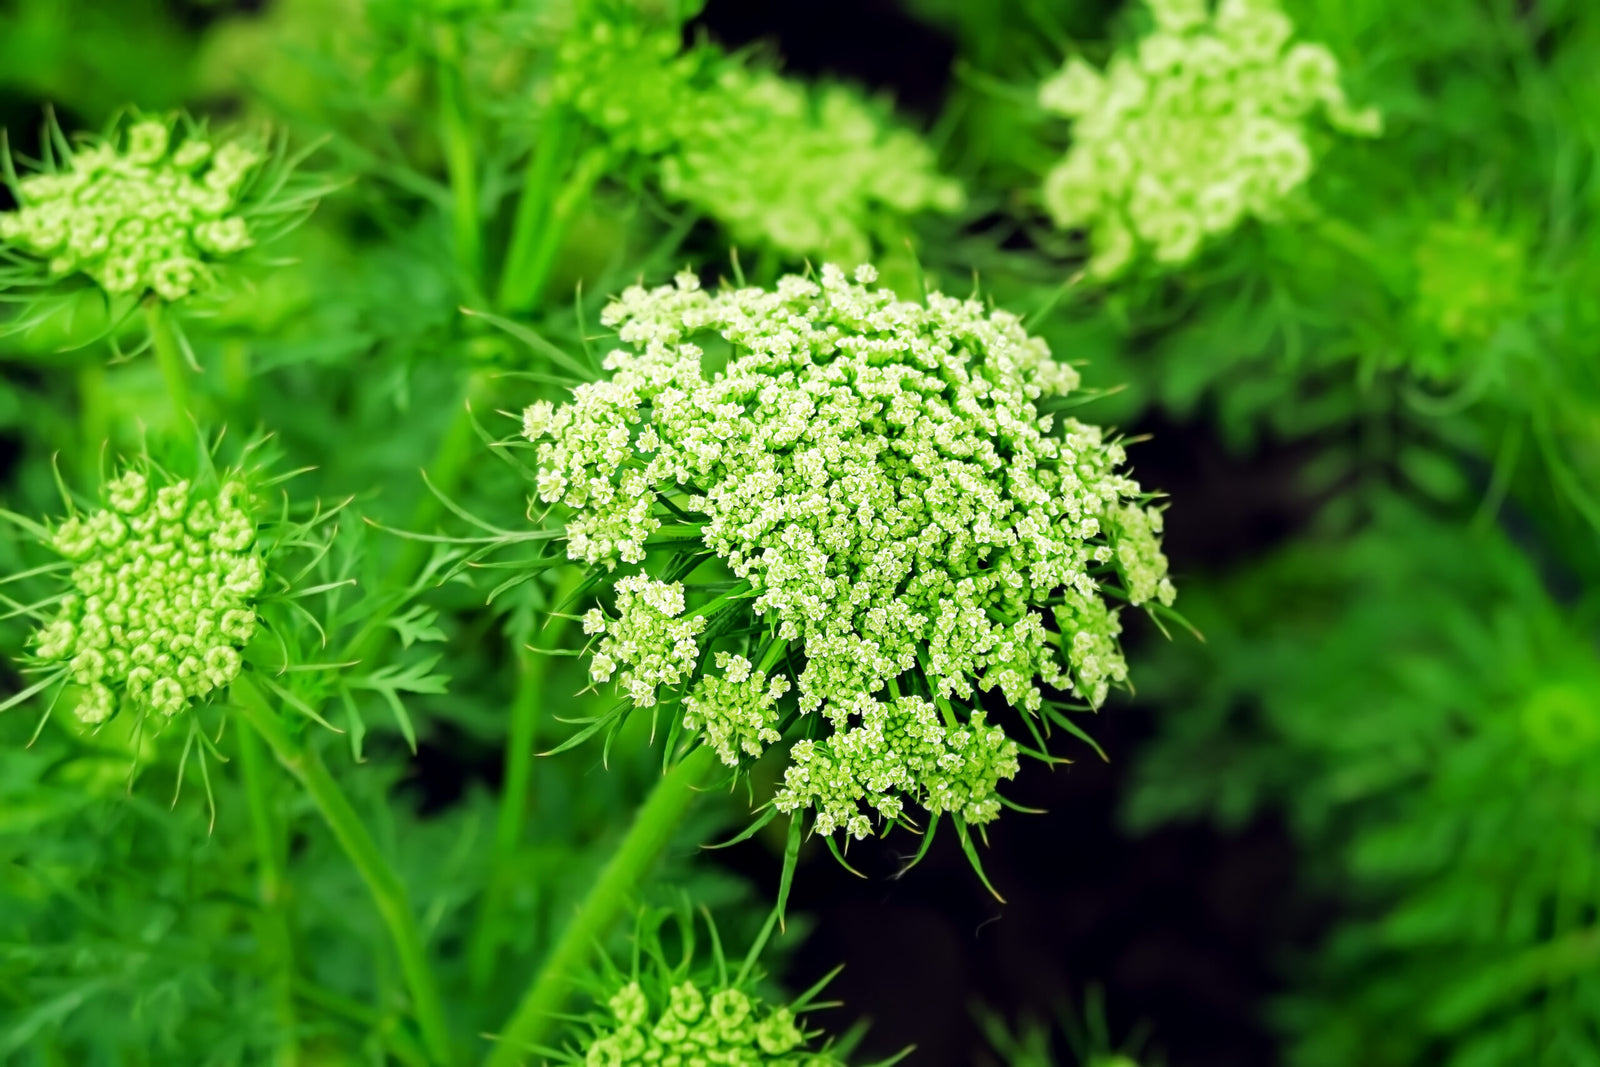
pixel 1201 126
pixel 163 586
pixel 147 216
pixel 899 749
pixel 801 169
pixel 881 475
pixel 736 712
pixel 690 1028
pixel 648 639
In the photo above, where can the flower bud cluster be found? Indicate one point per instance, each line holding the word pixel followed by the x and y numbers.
pixel 880 473
pixel 737 711
pixel 897 750
pixel 164 581
pixel 728 1026
pixel 804 170
pixel 147 216
pixel 648 639
pixel 1200 126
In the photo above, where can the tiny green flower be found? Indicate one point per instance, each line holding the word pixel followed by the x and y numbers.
pixel 737 711
pixel 1200 126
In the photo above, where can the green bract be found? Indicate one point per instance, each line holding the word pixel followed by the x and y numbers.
pixel 152 213
pixel 897 507
pixel 163 581
pixel 805 170
pixel 1202 125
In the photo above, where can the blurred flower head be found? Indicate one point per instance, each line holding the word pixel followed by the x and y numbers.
pixel 1199 126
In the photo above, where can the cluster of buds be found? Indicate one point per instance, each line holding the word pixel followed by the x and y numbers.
pixel 728 1026
pixel 1200 126
pixel 649 639
pixel 1471 275
pixel 736 711
pixel 807 170
pixel 149 215
pixel 905 521
pixel 164 582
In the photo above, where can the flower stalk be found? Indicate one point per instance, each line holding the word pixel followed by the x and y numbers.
pixel 175 370
pixel 388 893
pixel 273 922
pixel 652 830
pixel 526 710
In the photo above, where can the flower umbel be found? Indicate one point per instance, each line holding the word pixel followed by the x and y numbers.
pixel 1200 126
pixel 149 214
pixel 164 581
pixel 804 170
pixel 679 1014
pixel 895 504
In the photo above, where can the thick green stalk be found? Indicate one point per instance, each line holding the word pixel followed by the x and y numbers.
pixel 650 834
pixel 455 136
pixel 273 924
pixel 174 368
pixel 94 417
pixel 526 708
pixel 519 281
pixel 388 893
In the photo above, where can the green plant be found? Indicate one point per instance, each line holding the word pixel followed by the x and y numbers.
pixel 1086 1032
pixel 797 169
pixel 1434 761
pixel 870 484
pixel 429 477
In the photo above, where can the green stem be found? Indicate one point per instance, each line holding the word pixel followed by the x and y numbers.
pixel 580 184
pixel 274 920
pixel 236 370
pixel 94 416
pixel 649 836
pixel 174 368
pixel 519 284
pixel 533 670
pixel 455 136
pixel 388 893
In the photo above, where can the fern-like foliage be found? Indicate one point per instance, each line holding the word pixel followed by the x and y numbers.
pixel 1426 715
